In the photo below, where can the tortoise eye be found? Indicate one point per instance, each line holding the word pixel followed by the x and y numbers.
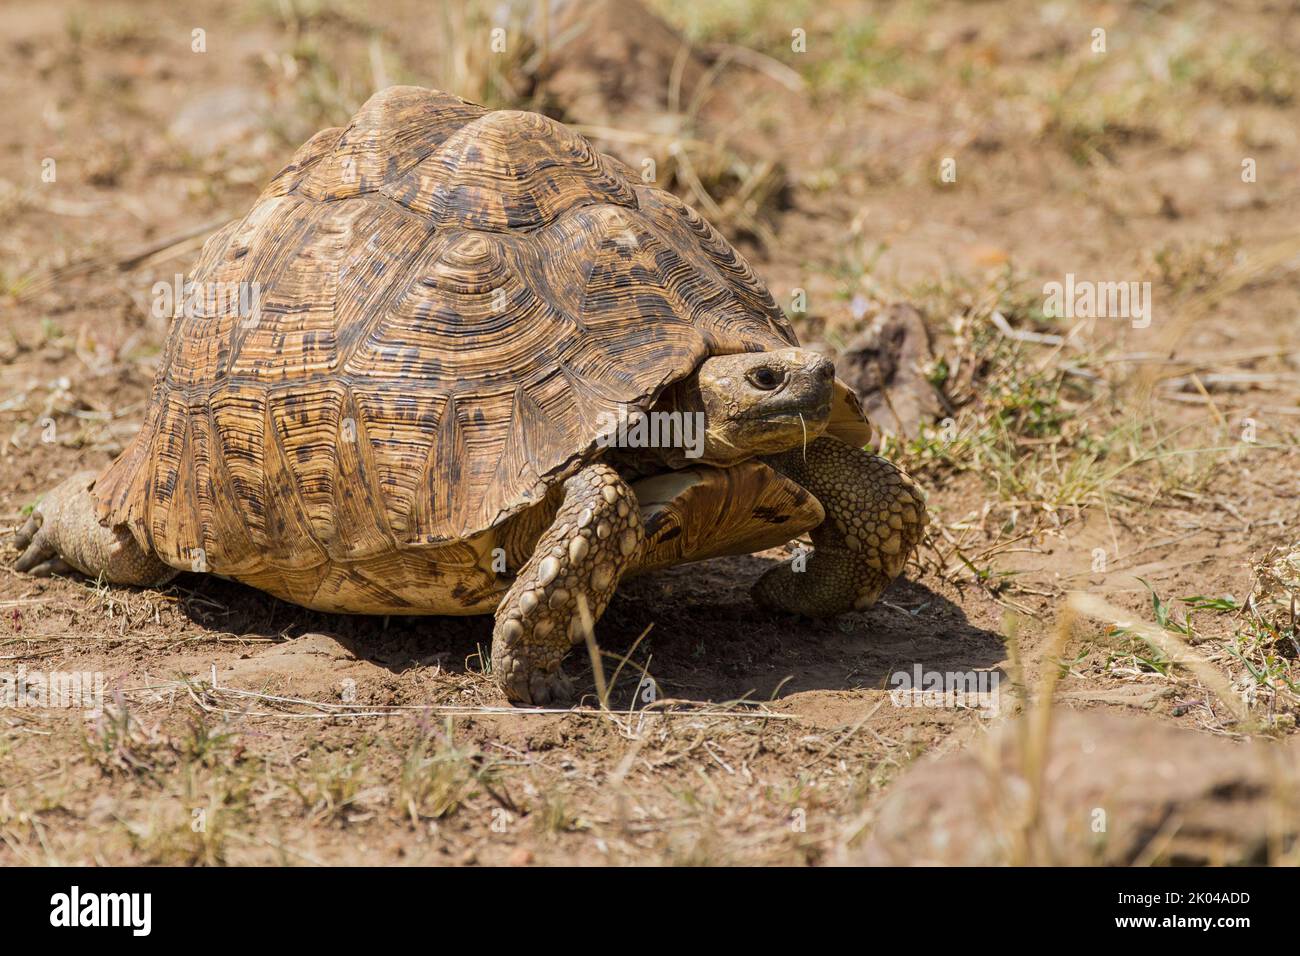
pixel 764 378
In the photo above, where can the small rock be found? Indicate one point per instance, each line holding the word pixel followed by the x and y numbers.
pixel 520 856
pixel 886 366
pixel 220 121
pixel 1111 784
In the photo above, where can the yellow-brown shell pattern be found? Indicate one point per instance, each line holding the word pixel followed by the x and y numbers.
pixel 447 300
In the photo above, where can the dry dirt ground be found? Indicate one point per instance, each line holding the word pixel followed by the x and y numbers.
pixel 1146 464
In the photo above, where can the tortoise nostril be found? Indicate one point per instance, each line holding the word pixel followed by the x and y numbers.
pixel 765 378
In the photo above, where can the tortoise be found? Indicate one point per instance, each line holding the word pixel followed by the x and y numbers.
pixel 467 323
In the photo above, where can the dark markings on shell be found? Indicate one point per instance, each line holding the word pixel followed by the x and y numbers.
pixel 449 299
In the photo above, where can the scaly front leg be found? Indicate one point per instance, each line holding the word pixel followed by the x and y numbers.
pixel 874 518
pixel 564 587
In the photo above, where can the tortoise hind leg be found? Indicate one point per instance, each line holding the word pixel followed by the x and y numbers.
pixel 64 534
pixel 874 518
pixel 576 565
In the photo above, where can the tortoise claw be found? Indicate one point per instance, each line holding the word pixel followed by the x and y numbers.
pixel 554 688
pixel 34 542
pixel 536 688
pixel 28 531
pixel 52 567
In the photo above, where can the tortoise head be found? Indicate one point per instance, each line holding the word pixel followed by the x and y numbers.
pixel 758 403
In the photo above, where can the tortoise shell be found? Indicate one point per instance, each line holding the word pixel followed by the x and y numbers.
pixel 448 299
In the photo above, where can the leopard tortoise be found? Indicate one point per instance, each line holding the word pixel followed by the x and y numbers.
pixel 459 312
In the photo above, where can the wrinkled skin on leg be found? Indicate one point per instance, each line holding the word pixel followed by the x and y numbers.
pixel 564 587
pixel 63 535
pixel 875 515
